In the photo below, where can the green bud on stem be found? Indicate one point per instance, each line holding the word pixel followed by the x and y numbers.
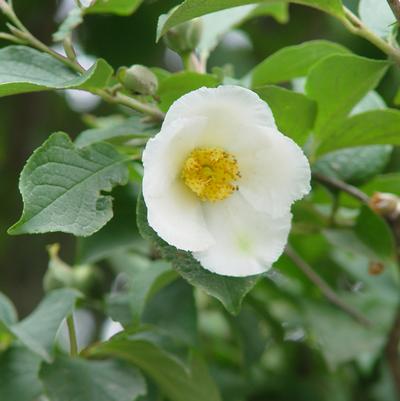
pixel 184 38
pixel 138 79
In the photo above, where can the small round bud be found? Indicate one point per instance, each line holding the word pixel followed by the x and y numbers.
pixel 184 38
pixel 138 79
pixel 88 279
pixel 386 205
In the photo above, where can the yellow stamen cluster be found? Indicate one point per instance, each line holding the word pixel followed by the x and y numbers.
pixel 211 173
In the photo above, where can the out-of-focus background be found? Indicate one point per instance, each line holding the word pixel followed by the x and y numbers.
pixel 27 120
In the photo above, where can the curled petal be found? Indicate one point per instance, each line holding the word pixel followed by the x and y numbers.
pixel 223 106
pixel 275 174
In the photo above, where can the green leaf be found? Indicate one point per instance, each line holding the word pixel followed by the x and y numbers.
pixel 19 378
pixel 293 62
pixel 337 83
pixel 190 9
pixel 371 127
pixel 377 16
pixel 174 380
pixel 119 7
pixel 355 165
pixel 375 233
pixel 173 312
pixel 215 25
pixel 144 278
pixel 38 331
pixel 177 85
pixel 383 183
pixel 24 70
pixel 78 379
pixel 61 187
pixel 8 313
pixel 294 113
pixel 73 20
pixel 228 290
pixel 119 234
pixel 117 133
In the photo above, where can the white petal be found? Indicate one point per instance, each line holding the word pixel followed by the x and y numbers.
pixel 223 106
pixel 275 174
pixel 165 154
pixel 173 211
pixel 247 242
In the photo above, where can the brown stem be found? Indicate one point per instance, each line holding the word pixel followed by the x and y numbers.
pixel 330 295
pixel 395 6
pixel 349 189
pixel 391 351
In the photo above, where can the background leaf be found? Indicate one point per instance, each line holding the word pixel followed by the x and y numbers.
pixel 24 70
pixel 39 329
pixel 177 85
pixel 337 83
pixel 294 113
pixel 19 378
pixel 77 379
pixel 371 127
pixel 119 7
pixel 292 62
pixel 61 185
pixel 190 9
pixel 8 314
pixel 174 380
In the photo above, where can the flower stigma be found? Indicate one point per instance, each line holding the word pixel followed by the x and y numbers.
pixel 211 173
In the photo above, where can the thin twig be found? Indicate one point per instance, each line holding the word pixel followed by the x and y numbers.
pixel 338 184
pixel 325 288
pixel 391 351
pixel 395 6
pixel 72 335
pixel 356 26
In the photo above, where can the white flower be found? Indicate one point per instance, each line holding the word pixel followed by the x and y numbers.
pixel 219 180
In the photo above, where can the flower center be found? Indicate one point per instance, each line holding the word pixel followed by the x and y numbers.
pixel 211 173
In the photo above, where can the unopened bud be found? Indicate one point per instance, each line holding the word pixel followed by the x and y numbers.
pixel 184 38
pixel 138 79
pixel 85 278
pixel 386 205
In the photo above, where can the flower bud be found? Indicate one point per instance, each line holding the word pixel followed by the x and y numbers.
pixel 138 79
pixel 85 278
pixel 386 205
pixel 184 38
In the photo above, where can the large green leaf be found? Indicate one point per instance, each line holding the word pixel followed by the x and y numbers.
pixel 77 379
pixel 61 187
pixel 190 9
pixel 337 83
pixel 24 70
pixel 39 329
pixel 215 25
pixel 177 85
pixel 174 380
pixel 229 290
pixel 119 7
pixel 19 377
pixel 120 132
pixel 294 113
pixel 293 62
pixel 371 127
pixel 119 234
